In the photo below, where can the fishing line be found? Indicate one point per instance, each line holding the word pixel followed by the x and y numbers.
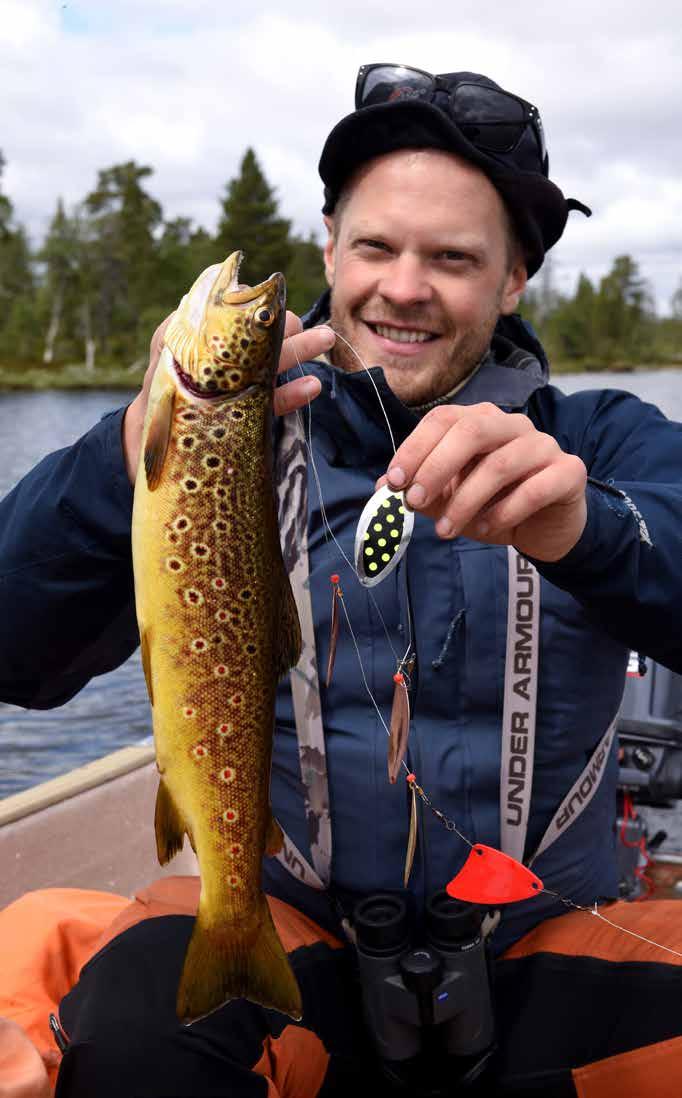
pixel 449 824
pixel 369 375
pixel 308 438
pixel 594 910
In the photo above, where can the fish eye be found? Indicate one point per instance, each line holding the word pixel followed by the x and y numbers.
pixel 264 316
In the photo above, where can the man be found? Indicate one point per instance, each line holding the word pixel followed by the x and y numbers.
pixel 438 206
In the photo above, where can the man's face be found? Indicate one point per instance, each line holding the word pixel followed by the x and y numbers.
pixel 419 269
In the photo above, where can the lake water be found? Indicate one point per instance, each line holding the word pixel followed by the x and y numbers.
pixel 112 711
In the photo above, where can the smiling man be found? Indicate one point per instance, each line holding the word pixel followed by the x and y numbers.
pixel 420 296
pixel 546 545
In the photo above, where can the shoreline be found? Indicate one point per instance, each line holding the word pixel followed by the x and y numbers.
pixel 38 378
pixel 75 376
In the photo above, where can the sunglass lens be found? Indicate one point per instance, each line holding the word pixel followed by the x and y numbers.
pixel 387 83
pixel 489 119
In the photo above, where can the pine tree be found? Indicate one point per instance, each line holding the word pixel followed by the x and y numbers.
pixel 623 312
pixel 571 326
pixel 250 223
pixel 18 334
pixel 305 274
pixel 62 290
pixel 122 253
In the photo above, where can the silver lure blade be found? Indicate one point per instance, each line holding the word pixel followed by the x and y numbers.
pixel 382 536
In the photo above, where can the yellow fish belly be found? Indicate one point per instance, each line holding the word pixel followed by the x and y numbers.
pixel 218 627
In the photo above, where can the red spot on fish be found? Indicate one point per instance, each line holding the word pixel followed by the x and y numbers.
pixel 220 670
pixel 218 583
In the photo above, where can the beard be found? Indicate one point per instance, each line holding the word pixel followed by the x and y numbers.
pixel 435 371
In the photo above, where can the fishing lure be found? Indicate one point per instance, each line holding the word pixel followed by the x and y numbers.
pixel 488 876
pixel 382 536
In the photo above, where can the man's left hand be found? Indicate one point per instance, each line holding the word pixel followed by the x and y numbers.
pixel 491 476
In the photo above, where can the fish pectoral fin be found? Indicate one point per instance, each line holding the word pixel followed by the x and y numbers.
pixel 169 825
pixel 146 662
pixel 224 962
pixel 289 652
pixel 274 840
pixel 158 437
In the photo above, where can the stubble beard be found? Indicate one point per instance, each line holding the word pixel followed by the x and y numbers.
pixel 416 383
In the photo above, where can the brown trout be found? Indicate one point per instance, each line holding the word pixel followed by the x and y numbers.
pixel 218 624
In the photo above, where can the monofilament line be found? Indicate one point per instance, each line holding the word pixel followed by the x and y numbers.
pixel 308 439
pixel 594 910
pixel 632 933
pixel 369 375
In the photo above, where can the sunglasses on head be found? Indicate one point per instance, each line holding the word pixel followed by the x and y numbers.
pixel 492 120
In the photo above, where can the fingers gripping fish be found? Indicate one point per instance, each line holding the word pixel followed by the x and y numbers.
pixel 218 624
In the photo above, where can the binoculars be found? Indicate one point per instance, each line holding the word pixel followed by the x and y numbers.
pixel 429 1001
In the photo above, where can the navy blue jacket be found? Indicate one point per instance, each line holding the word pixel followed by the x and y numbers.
pixel 68 613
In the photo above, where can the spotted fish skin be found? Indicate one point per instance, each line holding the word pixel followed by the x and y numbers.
pixel 218 626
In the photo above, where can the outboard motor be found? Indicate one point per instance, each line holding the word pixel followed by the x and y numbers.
pixel 650 763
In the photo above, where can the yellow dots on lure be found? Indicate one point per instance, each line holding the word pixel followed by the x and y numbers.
pixel 382 536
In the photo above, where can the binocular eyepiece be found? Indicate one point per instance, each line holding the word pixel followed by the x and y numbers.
pixel 432 996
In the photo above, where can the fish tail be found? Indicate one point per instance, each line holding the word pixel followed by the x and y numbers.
pixel 223 964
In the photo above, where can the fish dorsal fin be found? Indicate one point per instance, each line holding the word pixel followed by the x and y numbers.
pixel 274 839
pixel 183 335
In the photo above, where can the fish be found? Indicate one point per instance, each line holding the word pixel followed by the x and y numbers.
pixel 218 625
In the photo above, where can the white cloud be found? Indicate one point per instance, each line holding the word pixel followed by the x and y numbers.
pixel 185 86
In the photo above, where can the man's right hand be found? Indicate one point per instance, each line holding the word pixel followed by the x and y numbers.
pixel 298 346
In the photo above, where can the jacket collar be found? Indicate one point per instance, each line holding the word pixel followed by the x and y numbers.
pixel 347 417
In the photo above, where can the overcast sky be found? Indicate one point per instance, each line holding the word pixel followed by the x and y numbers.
pixel 185 85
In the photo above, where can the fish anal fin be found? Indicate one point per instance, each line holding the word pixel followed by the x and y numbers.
pixel 274 839
pixel 158 437
pixel 224 962
pixel 145 652
pixel 289 633
pixel 169 825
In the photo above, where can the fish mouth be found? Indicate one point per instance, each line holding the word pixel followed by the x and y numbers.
pixel 188 383
pixel 232 292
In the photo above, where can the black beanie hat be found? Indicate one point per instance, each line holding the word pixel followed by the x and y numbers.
pixel 537 207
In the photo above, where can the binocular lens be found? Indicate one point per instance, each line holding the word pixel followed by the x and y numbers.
pixel 381 924
pixel 450 923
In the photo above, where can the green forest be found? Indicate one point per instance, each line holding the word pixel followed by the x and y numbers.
pixel 80 308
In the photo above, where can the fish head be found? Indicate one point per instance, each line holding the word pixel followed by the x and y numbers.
pixel 226 337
